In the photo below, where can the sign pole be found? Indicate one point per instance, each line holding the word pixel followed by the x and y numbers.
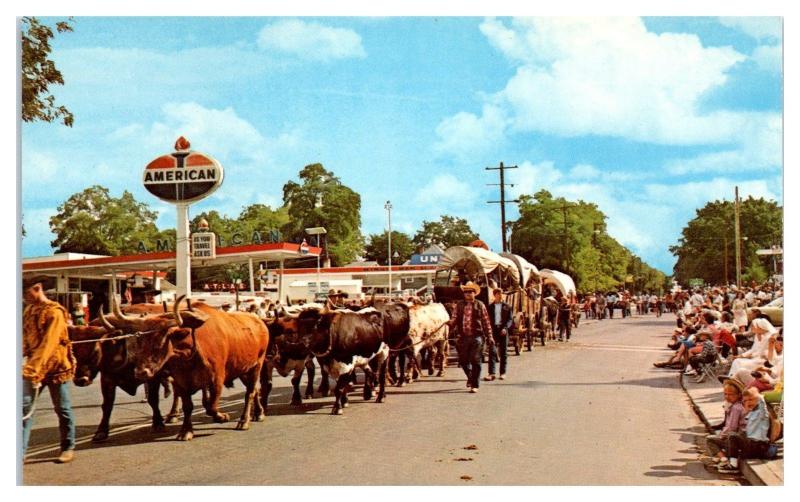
pixel 180 178
pixel 183 262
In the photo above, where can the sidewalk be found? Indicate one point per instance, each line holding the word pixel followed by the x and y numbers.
pixel 707 401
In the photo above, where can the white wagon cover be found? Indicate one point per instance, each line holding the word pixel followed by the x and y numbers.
pixel 560 279
pixel 477 259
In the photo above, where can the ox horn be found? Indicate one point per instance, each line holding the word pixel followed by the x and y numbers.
pixel 164 304
pixel 175 312
pixel 105 321
pixel 189 305
pixel 118 311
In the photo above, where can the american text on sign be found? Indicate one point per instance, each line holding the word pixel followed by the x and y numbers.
pixel 180 175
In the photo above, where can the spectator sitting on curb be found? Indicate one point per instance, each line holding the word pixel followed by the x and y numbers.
pixel 754 443
pixel 734 422
pixel 679 359
pixel 723 335
pixel 702 353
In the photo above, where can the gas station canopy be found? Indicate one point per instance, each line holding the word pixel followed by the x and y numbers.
pixel 278 251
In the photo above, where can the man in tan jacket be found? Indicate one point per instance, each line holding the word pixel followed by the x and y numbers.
pixel 48 361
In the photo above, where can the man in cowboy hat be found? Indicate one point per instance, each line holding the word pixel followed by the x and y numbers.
pixel 471 323
pixel 48 361
pixel 334 298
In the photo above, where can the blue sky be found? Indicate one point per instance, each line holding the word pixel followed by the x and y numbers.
pixel 648 118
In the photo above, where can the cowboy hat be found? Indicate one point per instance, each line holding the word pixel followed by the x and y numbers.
pixel 471 286
pixel 47 282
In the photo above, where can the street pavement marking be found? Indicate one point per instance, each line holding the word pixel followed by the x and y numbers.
pixel 116 431
pixel 623 348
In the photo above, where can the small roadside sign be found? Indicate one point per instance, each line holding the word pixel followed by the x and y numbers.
pixel 204 245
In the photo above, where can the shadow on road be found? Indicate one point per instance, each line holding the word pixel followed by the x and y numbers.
pixel 690 467
pixel 666 381
pixel 279 404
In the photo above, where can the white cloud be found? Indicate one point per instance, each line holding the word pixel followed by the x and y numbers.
pixel 610 76
pixel 758 27
pixel 769 58
pixel 530 178
pixel 466 134
pixel 758 147
pixel 38 167
pixel 635 212
pixel 445 189
pixel 584 171
pixel 694 194
pixel 311 40
pixel 220 132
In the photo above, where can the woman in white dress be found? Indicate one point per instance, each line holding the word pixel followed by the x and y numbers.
pixel 739 308
pixel 757 354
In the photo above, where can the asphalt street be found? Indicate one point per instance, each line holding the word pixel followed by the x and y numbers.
pixel 591 411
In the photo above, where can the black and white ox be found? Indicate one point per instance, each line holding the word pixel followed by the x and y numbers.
pixel 343 341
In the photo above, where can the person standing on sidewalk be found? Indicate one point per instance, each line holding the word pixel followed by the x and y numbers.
pixel 500 315
pixel 48 361
pixel 472 325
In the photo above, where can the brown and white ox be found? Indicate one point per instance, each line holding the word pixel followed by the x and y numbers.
pixel 427 332
pixel 201 348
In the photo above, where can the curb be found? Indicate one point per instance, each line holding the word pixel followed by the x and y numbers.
pixel 745 468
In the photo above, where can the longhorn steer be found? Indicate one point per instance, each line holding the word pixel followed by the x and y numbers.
pixel 344 341
pixel 202 348
pixel 115 363
pixel 425 332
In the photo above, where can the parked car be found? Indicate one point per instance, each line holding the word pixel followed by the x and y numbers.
pixel 773 310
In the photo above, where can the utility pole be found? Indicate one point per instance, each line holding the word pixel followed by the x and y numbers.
pixel 502 200
pixel 738 239
pixel 725 238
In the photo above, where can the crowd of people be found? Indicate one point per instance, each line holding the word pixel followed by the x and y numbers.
pixel 721 334
pixel 603 305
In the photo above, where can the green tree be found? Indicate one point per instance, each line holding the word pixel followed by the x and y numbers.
pixel 253 218
pixel 39 72
pixel 92 221
pixel 378 245
pixel 706 248
pixel 321 200
pixel 570 236
pixel 262 219
pixel 447 232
